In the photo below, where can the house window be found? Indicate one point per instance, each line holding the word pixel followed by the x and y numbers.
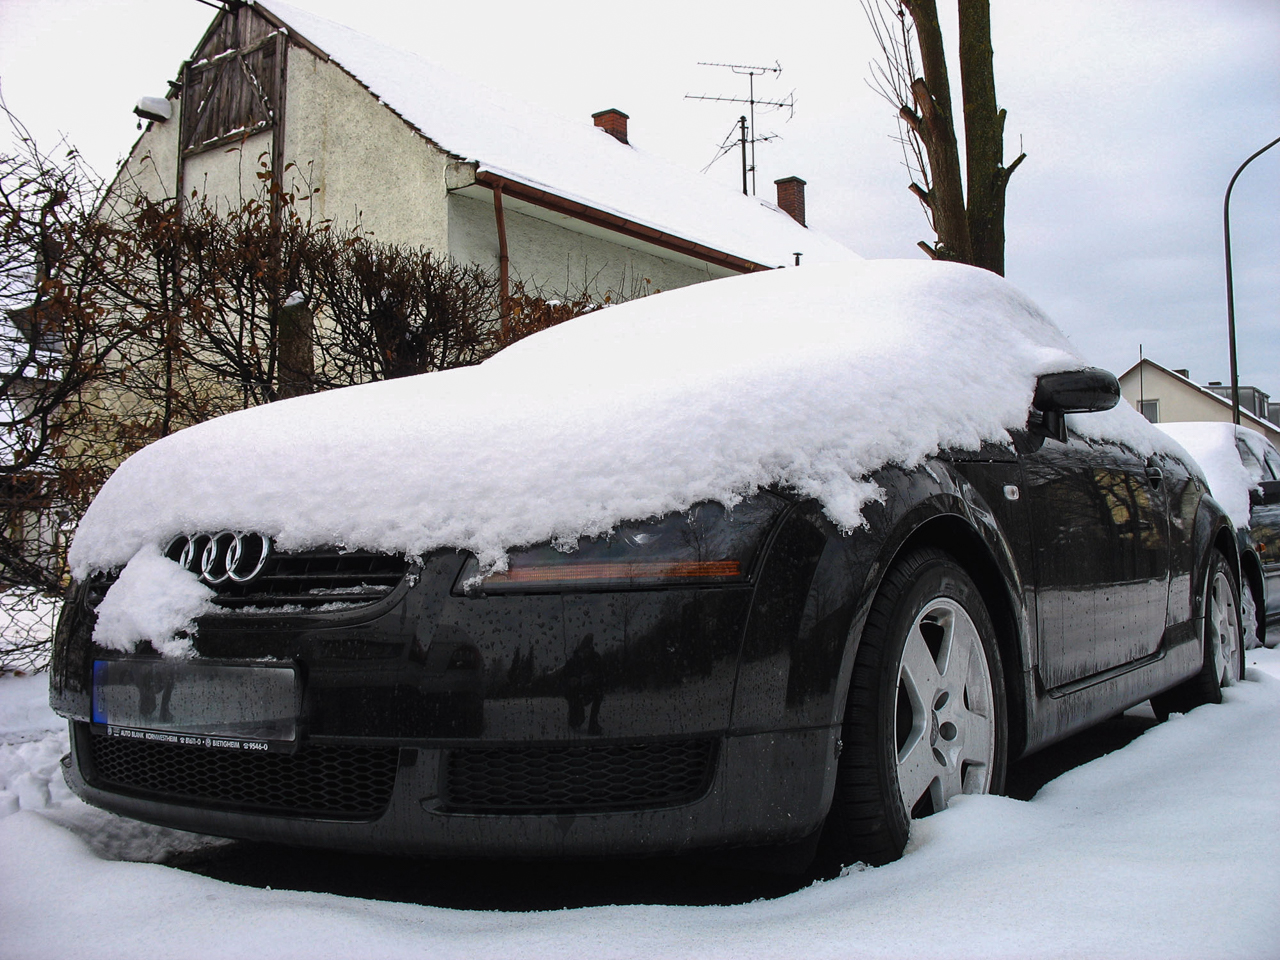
pixel 1150 409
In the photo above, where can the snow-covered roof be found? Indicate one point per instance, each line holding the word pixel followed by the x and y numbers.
pixel 569 159
pixel 810 378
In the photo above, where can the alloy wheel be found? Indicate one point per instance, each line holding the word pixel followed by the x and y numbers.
pixel 1224 626
pixel 944 726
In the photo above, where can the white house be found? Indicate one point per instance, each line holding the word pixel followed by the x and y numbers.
pixel 419 156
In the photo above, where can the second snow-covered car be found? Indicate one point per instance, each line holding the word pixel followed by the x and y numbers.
pixel 1243 470
pixel 782 560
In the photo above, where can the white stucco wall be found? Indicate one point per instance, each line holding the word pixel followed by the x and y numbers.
pixel 152 164
pixel 560 259
pixel 227 175
pixel 368 165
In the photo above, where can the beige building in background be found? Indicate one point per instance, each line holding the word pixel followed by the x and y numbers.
pixel 1170 396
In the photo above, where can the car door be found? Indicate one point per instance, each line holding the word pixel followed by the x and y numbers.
pixel 1099 527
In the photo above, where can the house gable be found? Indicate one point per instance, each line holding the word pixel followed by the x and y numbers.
pixel 368 166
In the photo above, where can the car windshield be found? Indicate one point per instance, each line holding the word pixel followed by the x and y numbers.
pixel 1257 472
pixel 1273 461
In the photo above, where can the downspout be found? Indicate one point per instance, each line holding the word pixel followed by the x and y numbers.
pixel 179 185
pixel 278 121
pixel 504 278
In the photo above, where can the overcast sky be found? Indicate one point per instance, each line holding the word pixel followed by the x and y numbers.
pixel 1133 115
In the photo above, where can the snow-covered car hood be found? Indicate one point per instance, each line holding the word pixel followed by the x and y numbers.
pixel 809 377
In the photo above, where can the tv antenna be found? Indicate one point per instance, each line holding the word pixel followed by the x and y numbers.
pixel 744 131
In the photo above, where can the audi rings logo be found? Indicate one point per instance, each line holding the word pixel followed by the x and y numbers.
pixel 219 557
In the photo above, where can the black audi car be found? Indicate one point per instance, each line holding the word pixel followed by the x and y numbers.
pixel 749 674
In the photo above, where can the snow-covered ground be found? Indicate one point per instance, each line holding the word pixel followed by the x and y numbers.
pixel 1168 847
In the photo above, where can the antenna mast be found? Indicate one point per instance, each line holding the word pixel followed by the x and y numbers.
pixel 747 137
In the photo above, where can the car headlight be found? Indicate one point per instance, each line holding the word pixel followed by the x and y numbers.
pixel 706 544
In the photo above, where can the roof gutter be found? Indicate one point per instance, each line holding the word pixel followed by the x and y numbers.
pixel 610 221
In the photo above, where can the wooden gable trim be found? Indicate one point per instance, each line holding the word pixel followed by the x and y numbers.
pixel 293 35
pixel 236 83
pixel 611 221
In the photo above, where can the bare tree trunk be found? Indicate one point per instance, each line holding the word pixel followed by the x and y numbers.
pixel 295 338
pixel 933 123
pixel 971 232
pixel 984 138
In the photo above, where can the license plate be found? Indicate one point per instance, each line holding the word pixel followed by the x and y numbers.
pixel 228 706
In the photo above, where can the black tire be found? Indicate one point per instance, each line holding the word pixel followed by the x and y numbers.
pixel 889 728
pixel 1253 615
pixel 1221 639
pixel 1258 595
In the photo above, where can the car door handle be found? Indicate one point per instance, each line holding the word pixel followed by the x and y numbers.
pixel 1154 476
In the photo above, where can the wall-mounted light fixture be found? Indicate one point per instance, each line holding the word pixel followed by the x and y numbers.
pixel 156 109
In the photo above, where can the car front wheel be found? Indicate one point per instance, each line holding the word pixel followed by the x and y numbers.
pixel 925 720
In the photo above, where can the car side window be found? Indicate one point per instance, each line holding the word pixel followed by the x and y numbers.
pixel 1257 472
pixel 1273 461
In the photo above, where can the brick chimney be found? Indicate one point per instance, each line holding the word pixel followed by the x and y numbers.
pixel 791 197
pixel 612 122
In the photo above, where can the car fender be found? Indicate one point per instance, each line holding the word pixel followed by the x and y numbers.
pixel 931 505
pixel 949 512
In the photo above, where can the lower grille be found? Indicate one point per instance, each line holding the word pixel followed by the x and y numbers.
pixel 333 782
pixel 578 778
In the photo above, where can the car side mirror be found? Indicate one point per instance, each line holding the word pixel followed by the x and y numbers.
pixel 1091 390
pixel 1265 494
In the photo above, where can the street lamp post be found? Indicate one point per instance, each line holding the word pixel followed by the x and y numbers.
pixel 1231 300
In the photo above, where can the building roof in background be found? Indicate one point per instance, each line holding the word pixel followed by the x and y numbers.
pixel 513 141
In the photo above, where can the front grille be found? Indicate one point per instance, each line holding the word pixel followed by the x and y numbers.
pixel 305 579
pixel 578 778
pixel 314 578
pixel 333 782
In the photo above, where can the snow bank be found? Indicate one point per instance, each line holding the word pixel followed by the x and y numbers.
pixel 154 599
pixel 810 377
pixel 33 739
pixel 1213 446
pixel 570 159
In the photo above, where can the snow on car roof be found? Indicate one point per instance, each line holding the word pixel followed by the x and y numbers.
pixel 570 159
pixel 1213 446
pixel 810 378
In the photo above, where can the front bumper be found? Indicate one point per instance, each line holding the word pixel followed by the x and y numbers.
pixel 763 788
